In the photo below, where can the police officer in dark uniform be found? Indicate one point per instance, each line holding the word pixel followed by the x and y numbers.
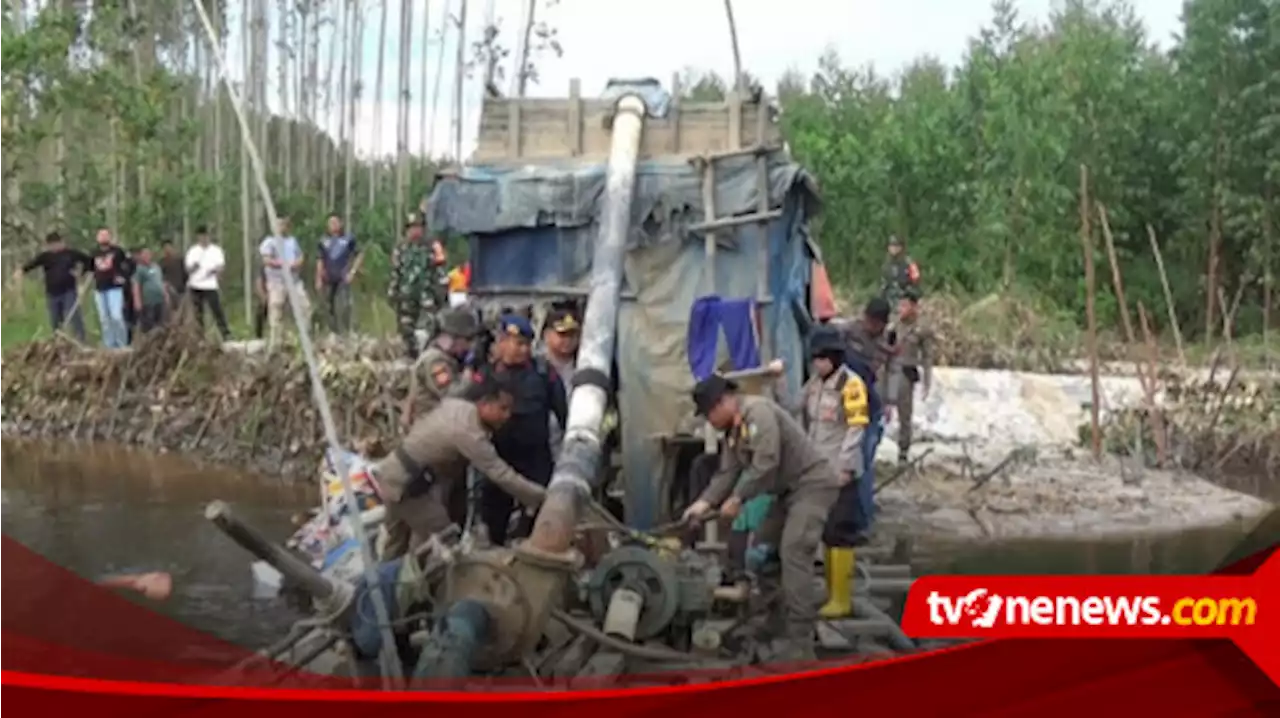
pixel 524 441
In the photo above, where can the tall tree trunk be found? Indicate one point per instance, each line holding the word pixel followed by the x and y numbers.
pixel 284 132
pixel 248 45
pixel 192 161
pixel 377 103
pixel 353 101
pixel 402 115
pixel 445 22
pixel 422 93
pixel 460 72
pixel 219 205
pixel 260 71
pixel 140 146
pixel 326 147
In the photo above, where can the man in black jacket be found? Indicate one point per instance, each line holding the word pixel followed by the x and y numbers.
pixel 59 263
pixel 524 441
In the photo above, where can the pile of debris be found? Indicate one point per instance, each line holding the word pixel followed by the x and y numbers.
pixel 1225 427
pixel 176 390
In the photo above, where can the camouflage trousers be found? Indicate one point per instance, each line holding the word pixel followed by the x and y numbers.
pixel 410 316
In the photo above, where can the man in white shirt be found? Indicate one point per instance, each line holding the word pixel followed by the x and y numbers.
pixel 205 263
pixel 280 254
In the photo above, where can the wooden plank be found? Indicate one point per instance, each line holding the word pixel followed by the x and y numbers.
pixel 695 128
pixel 712 226
pixel 575 117
pixel 733 101
pixel 514 127
pixel 674 113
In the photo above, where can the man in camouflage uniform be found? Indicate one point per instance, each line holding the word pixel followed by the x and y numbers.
pixel 898 273
pixel 410 290
pixel 915 340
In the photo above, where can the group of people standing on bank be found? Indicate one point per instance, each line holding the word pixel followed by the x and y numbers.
pixel 135 291
pixel 132 290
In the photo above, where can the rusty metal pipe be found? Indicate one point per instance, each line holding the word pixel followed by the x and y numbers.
pixel 282 560
pixel 576 473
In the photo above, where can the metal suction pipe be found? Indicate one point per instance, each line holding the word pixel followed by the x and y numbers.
pixel 576 471
pixel 282 560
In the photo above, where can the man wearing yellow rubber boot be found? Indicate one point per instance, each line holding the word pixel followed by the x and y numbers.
pixel 836 414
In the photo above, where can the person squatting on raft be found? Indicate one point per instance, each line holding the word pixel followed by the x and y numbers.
pixel 417 479
pixel 525 440
pixel 837 411
pixel 766 451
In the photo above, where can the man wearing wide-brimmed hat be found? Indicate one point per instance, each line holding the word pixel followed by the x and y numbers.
pixel 766 451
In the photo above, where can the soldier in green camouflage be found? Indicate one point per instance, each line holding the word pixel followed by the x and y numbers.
pixel 899 272
pixel 410 291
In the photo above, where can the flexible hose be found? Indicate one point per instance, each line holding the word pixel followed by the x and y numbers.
pixel 391 663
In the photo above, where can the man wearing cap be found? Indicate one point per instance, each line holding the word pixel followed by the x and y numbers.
pixel 898 273
pixel 872 356
pixel 439 372
pixel 916 341
pixel 410 290
pixel 417 479
pixel 766 451
pixel 525 440
pixel 837 411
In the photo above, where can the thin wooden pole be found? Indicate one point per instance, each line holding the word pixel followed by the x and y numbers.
pixel 1168 295
pixel 1086 242
pixel 1153 370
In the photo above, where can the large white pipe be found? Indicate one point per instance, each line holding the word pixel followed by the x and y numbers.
pixel 576 471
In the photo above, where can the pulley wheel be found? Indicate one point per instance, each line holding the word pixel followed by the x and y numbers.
pixel 644 572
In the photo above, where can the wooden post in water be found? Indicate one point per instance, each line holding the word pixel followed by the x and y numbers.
pixel 1086 242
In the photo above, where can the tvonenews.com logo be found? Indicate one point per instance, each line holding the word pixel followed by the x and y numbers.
pixel 982 609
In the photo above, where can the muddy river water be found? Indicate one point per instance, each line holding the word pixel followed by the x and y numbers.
pixel 101 511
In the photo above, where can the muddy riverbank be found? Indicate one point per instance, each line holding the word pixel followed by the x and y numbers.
pixel 176 392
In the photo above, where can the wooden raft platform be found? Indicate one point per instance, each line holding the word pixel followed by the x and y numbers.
pixel 547 129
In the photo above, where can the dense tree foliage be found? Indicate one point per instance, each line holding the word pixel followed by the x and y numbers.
pixel 978 166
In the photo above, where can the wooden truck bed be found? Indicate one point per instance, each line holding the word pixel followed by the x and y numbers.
pixel 544 129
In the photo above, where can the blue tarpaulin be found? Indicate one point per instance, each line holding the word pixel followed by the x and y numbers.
pixel 534 227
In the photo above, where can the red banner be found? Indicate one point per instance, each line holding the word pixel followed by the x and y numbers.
pixel 71 646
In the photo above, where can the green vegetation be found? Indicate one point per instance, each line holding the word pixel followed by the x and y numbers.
pixel 977 166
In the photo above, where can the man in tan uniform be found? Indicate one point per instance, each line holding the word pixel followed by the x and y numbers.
pixel 837 412
pixel 766 452
pixel 415 481
pixel 438 372
pixel 916 359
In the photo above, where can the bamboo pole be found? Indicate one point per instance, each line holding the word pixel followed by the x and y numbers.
pixel 1086 243
pixel 733 40
pixel 1168 295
